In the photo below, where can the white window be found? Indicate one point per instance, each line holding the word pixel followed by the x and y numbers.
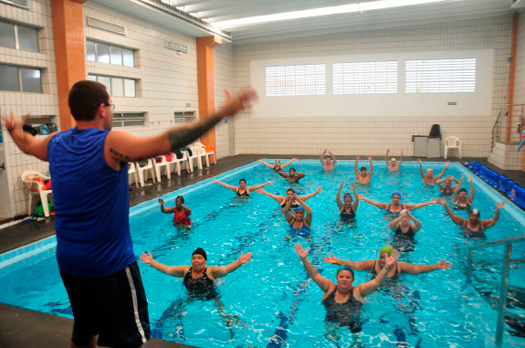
pixel 295 80
pixel 18 36
pixel 117 86
pixel 365 77
pixel 109 54
pixel 129 119
pixel 20 79
pixel 441 75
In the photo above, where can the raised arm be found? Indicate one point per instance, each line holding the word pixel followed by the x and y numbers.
pixel 472 191
pixel 286 211
pixel 219 272
pixel 444 170
pixel 283 174
pixel 456 219
pixel 401 159
pixel 386 156
pixel 338 196
pixel 175 271
pixel 421 168
pixel 265 163
pixel 420 205
pixel 368 287
pixel 418 269
pixel 371 161
pixel 26 142
pixel 256 187
pixel 307 209
pixel 323 283
pixel 376 204
pixel 417 224
pixel 457 187
pixel 186 209
pixel 310 195
pixel 126 147
pixel 279 199
pixel 355 204
pixel 491 222
pixel 229 187
pixel 394 224
pixel 322 156
pixel 357 265
pixel 333 156
pixel 289 162
pixel 356 165
pixel 163 209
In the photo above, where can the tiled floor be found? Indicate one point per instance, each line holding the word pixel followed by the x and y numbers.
pixel 25 328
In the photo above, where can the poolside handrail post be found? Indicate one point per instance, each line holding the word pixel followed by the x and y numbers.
pixel 502 301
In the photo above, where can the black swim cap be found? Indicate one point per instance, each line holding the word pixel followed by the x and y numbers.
pixel 200 251
pixel 462 190
pixel 363 168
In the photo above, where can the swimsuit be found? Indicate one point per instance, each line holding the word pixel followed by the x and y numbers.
pixel 347 216
pixel 293 205
pixel 202 288
pixel 473 233
pixel 392 214
pixel 345 314
pixel 181 219
pixel 467 206
pixel 303 231
pixel 410 233
pixel 244 194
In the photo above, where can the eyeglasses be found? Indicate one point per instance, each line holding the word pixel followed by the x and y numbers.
pixel 112 106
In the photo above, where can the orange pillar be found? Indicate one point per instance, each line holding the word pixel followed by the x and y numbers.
pixel 70 54
pixel 206 82
pixel 512 73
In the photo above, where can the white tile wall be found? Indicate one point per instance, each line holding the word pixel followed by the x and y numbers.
pixel 348 135
pixel 45 103
pixel 223 61
pixel 519 87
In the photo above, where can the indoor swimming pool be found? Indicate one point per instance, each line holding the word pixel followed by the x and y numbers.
pixel 273 301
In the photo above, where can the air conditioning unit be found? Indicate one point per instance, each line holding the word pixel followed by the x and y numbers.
pixel 517 4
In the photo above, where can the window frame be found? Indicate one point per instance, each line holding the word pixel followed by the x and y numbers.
pixel 19 75
pixel 16 35
pixel 336 86
pixel 318 89
pixel 122 119
pixel 124 79
pixel 110 45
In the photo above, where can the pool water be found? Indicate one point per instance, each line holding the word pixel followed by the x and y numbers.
pixel 271 299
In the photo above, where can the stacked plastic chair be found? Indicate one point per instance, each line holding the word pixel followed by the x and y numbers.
pixel 502 183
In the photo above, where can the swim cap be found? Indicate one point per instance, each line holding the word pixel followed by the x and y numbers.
pixel 404 211
pixel 475 212
pixel 347 194
pixel 462 190
pixel 387 249
pixel 392 159
pixel 300 209
pixel 363 168
pixel 396 193
pixel 345 268
pixel 200 251
pixel 429 170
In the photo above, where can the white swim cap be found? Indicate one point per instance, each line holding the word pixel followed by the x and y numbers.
pixel 392 159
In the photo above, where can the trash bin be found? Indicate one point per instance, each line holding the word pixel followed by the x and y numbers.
pixel 420 145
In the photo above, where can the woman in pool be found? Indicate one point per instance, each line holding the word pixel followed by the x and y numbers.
pixel 460 200
pixel 375 267
pixel 343 300
pixel 363 176
pixel 292 176
pixel 347 208
pixel 289 195
pixel 277 167
pixel 402 226
pixel 393 165
pixel 473 226
pixel 429 179
pixel 301 221
pixel 445 185
pixel 181 213
pixel 199 279
pixel 393 209
pixel 328 160
pixel 242 190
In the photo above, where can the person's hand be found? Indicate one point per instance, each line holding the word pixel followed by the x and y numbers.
pixel 215 181
pixel 237 103
pixel 470 179
pixel 361 197
pixel 319 190
pixel 12 122
pixel 342 183
pixel 357 157
pixel 294 158
pixel 161 201
pixel 443 264
pixel 435 200
pixel 391 260
pixel 352 185
pixel 450 177
pixel 260 191
pixel 500 205
pixel 146 258
pixel 446 164
pixel 245 258
pixel 387 151
pixel 419 160
pixel 303 254
pixel 271 182
pixel 369 158
pixel 442 201
pixel 401 153
pixel 332 259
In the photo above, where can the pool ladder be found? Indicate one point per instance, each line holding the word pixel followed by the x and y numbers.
pixel 504 287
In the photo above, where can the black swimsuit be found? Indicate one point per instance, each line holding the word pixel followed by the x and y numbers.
pixel 293 205
pixel 202 288
pixel 347 215
pixel 392 214
pixel 345 314
pixel 480 233
pixel 244 194
pixel 408 234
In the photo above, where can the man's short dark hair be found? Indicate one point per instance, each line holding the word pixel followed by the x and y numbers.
pixel 84 99
pixel 363 168
pixel 242 181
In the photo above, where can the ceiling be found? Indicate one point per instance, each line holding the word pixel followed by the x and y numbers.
pixel 213 11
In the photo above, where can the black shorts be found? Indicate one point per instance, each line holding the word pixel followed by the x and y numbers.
pixel 113 307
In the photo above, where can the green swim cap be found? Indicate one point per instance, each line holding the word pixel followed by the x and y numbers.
pixel 387 249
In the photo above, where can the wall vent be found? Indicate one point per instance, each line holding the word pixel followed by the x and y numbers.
pixel 176 47
pixel 25 4
pixel 97 23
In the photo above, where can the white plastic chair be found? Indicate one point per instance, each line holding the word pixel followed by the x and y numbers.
pixel 177 162
pixel 144 170
pixel 191 158
pixel 199 154
pixel 158 167
pixel 28 177
pixel 201 148
pixel 133 170
pixel 452 142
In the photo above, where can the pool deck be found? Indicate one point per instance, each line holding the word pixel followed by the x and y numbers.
pixel 21 327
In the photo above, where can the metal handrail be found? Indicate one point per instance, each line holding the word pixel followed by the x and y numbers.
pixel 504 285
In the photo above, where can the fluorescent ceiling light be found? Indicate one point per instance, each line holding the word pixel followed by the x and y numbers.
pixel 322 11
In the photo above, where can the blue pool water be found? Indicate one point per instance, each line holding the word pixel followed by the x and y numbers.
pixel 271 296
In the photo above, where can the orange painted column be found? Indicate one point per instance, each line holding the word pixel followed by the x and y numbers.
pixel 512 73
pixel 70 54
pixel 206 83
